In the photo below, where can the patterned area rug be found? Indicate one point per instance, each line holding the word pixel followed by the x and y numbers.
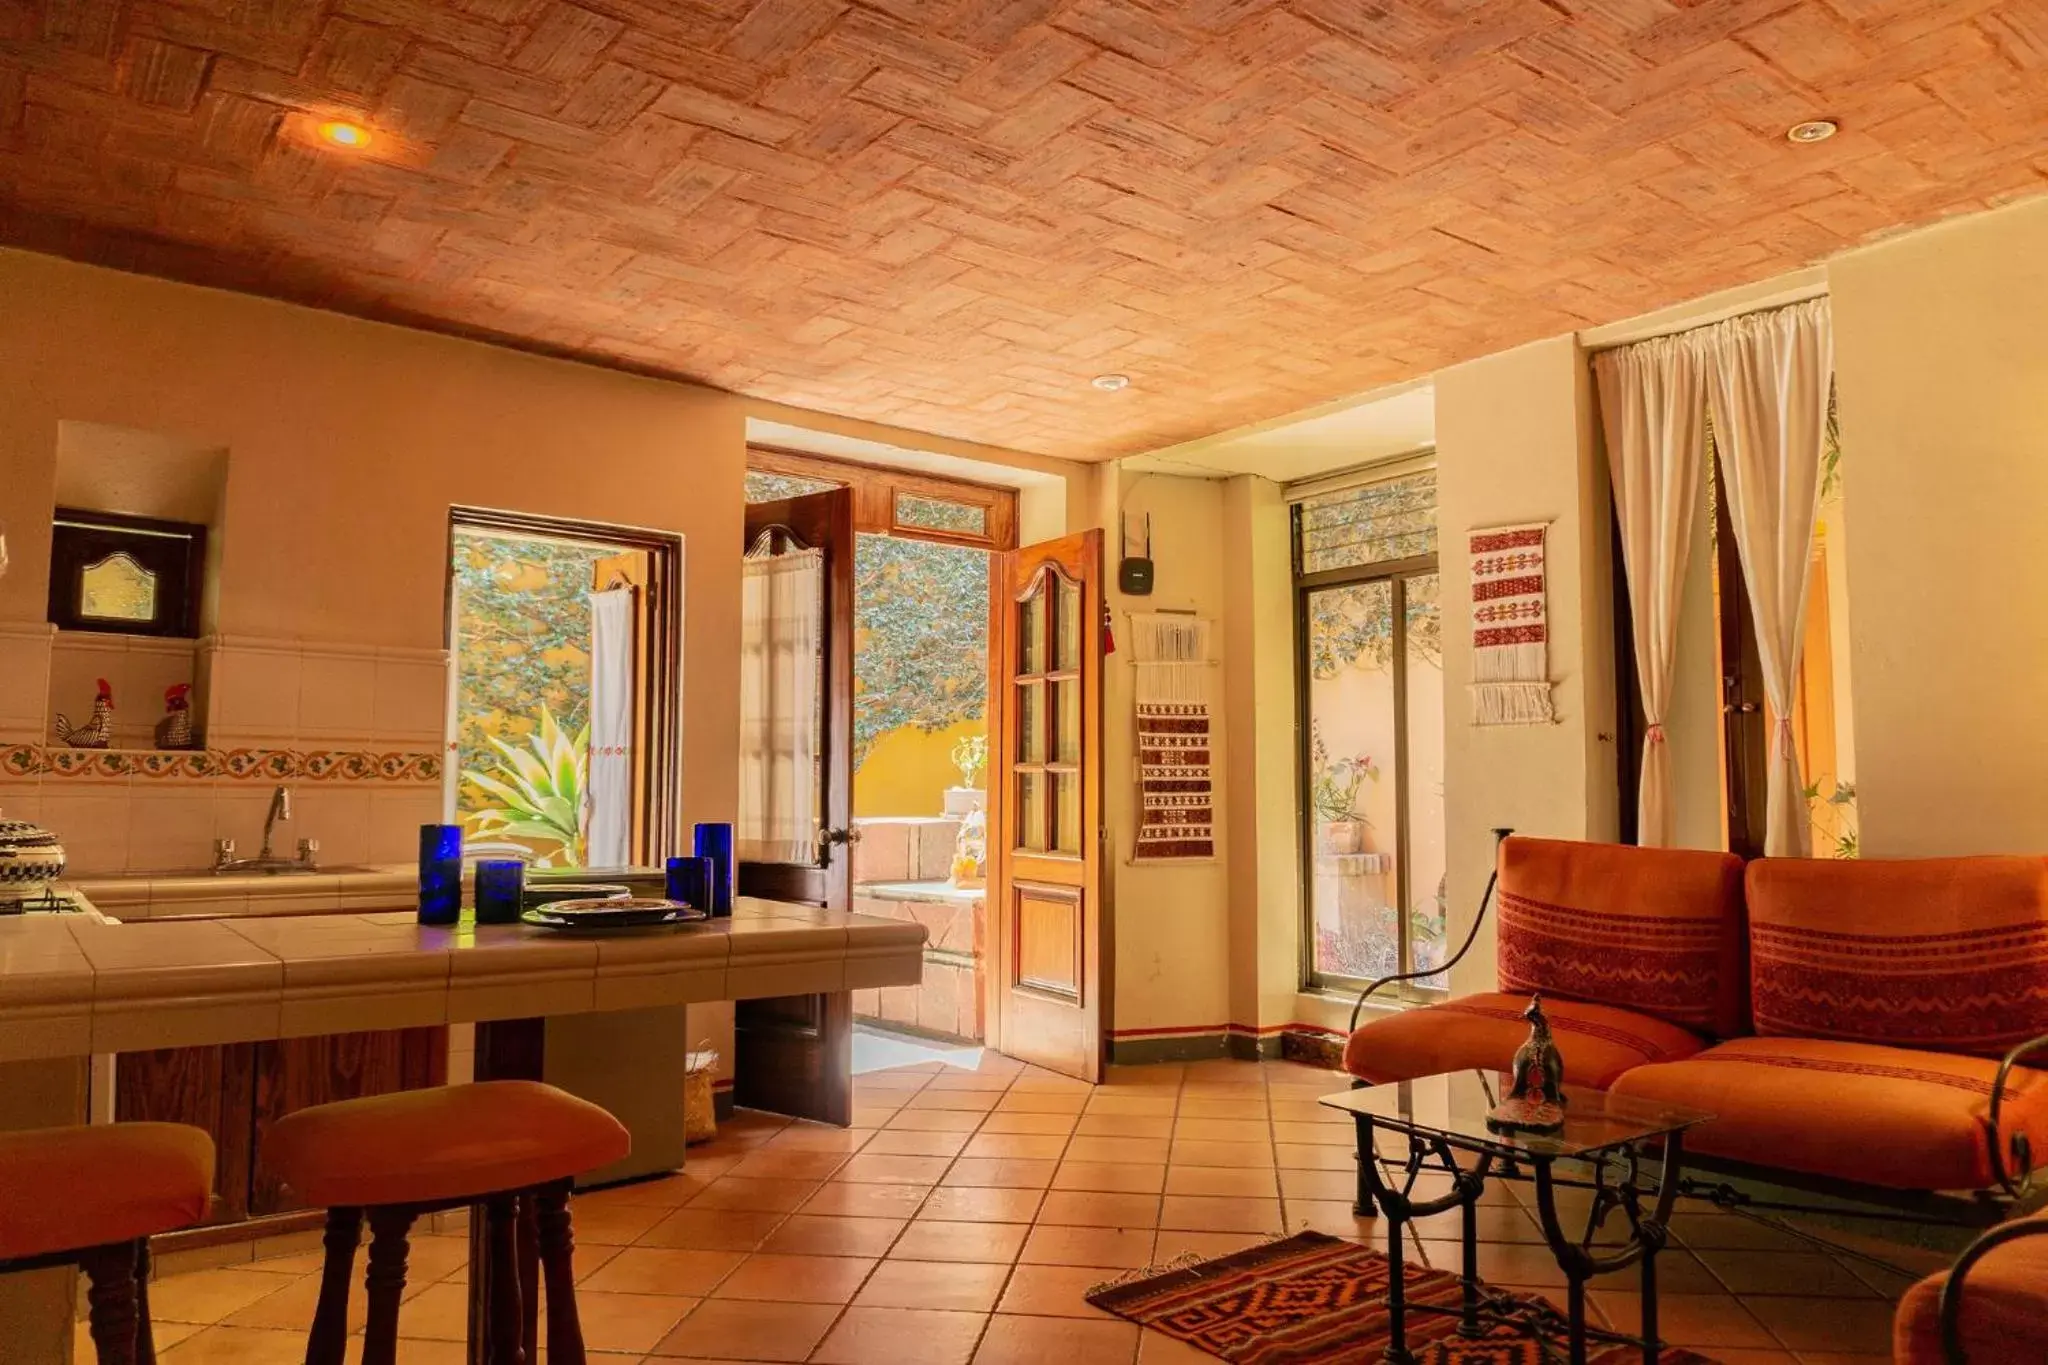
pixel 1317 1300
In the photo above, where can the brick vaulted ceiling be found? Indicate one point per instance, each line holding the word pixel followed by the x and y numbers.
pixel 949 214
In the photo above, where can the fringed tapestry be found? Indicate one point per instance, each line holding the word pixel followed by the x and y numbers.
pixel 1510 627
pixel 1176 781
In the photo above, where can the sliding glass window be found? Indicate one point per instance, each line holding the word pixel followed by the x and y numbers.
pixel 1368 629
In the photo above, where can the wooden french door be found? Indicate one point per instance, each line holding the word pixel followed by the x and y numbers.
pixel 1049 955
pixel 821 522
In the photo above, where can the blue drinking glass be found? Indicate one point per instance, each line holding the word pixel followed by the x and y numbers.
pixel 440 874
pixel 714 841
pixel 689 881
pixel 500 883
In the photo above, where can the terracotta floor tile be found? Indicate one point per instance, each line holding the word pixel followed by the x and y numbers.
pixel 1296 1156
pixel 668 1191
pixel 1120 1248
pixel 1198 1152
pixel 865 1118
pixel 290 1308
pixel 1248 1107
pixel 932 1240
pixel 1007 1172
pixel 964 1101
pixel 1090 1208
pixel 1031 1081
pixel 1308 1111
pixel 751 1196
pixel 1198 1213
pixel 1124 1150
pixel 883 1168
pixel 796 1279
pixel 1687 1319
pixel 1043 1102
pixel 957 1286
pixel 971 1080
pixel 906 1142
pixel 806 1234
pixel 619 1224
pixel 738 1329
pixel 628 1322
pixel 208 1296
pixel 658 1270
pixel 1024 1146
pixel 1784 1272
pixel 1012 1340
pixel 1159 1073
pixel 1719 1230
pixel 934 1121
pixel 1137 1106
pixel 891 1080
pixel 1315 1134
pixel 788 1163
pixel 1494 1223
pixel 846 1199
pixel 1333 1216
pixel 712 1229
pixel 1223 1130
pixel 437 1313
pixel 1338 1184
pixel 1519 1264
pixel 1043 1125
pixel 1248 1182
pixel 236 1346
pixel 1157 1348
pixel 1815 1324
pixel 1113 1176
pixel 982 1204
pixel 1122 1126
pixel 901 1336
pixel 1053 1291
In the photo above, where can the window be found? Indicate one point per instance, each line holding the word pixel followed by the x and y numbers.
pixel 1369 627
pixel 131 575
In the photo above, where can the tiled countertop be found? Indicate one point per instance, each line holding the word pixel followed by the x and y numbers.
pixel 71 985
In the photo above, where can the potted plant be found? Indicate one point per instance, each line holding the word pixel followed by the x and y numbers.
pixel 970 756
pixel 1333 791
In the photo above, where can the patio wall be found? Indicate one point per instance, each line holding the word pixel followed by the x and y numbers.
pixel 900 869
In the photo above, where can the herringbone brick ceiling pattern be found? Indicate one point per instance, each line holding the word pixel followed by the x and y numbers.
pixel 950 214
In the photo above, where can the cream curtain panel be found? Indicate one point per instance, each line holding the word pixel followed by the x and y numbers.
pixel 1653 400
pixel 609 794
pixel 781 636
pixel 1767 389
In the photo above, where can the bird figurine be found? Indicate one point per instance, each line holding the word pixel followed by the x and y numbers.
pixel 174 731
pixel 1535 1100
pixel 98 730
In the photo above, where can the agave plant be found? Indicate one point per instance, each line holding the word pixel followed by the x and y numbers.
pixel 538 789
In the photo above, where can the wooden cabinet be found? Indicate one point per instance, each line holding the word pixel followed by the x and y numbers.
pixel 236 1092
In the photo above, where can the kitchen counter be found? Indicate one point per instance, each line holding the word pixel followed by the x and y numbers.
pixel 73 985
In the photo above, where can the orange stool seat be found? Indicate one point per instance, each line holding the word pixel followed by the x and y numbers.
pixel 447 1143
pixel 68 1188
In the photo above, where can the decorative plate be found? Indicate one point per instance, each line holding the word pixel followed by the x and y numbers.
pixel 619 913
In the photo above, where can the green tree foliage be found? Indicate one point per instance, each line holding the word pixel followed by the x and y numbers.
pixel 920 636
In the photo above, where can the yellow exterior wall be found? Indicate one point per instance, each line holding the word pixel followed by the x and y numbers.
pixel 907 770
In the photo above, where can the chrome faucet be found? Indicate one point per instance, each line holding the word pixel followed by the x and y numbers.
pixel 224 859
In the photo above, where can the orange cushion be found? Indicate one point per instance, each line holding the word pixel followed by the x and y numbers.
pixel 448 1142
pixel 65 1189
pixel 1481 1032
pixel 1852 1111
pixel 1942 953
pixel 1656 931
pixel 2005 1307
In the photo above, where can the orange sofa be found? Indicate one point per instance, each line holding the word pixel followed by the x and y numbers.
pixel 1859 1022
pixel 1991 1307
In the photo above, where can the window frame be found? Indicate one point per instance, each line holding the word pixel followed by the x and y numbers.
pixel 80 538
pixel 874 497
pixel 1395 573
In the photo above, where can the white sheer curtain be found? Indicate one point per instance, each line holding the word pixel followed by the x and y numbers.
pixel 609 800
pixel 781 633
pixel 1653 410
pixel 1768 381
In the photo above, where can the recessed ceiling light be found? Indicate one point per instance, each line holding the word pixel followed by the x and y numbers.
pixel 1110 383
pixel 342 133
pixel 1818 130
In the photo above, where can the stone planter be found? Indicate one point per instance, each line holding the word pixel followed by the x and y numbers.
pixel 964 801
pixel 1340 836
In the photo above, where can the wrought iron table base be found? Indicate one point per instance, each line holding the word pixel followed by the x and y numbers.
pixel 1480 1309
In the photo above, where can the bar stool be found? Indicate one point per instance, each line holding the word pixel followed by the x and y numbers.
pixel 92 1196
pixel 395 1157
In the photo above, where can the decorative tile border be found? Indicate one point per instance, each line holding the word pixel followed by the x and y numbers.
pixel 260 765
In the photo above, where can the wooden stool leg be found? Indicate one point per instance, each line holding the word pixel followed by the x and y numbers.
pixel 529 1277
pixel 145 1337
pixel 328 1342
pixel 111 1299
pixel 557 1248
pixel 386 1282
pixel 501 1216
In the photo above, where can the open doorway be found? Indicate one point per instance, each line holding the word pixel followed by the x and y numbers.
pixel 562 728
pixel 920 717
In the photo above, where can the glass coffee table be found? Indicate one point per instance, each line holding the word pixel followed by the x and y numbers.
pixel 1610 1143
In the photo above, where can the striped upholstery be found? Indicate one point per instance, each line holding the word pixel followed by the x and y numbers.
pixel 1656 931
pixel 1481 1032
pixel 1946 954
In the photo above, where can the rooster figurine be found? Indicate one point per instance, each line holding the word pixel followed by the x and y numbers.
pixel 174 731
pixel 98 731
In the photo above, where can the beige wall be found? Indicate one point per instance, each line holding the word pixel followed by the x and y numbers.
pixel 1515 443
pixel 1942 380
